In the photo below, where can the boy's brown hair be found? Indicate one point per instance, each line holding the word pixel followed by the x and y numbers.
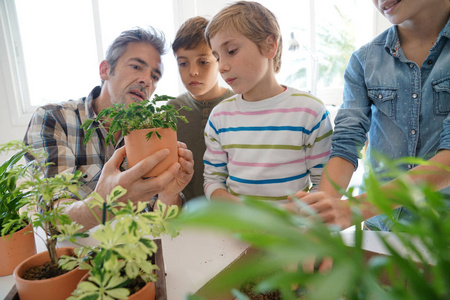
pixel 190 34
pixel 250 19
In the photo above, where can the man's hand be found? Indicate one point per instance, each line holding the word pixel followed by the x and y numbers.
pixel 171 192
pixel 138 189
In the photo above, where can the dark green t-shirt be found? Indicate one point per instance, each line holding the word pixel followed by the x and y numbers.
pixel 192 134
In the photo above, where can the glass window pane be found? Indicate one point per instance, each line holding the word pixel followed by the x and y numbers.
pixel 318 38
pixel 59 43
pixel 339 32
pixel 117 16
pixel 296 33
pixel 59 49
pixel 338 28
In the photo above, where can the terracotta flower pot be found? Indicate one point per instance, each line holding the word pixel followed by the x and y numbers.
pixel 57 288
pixel 139 148
pixel 148 292
pixel 16 248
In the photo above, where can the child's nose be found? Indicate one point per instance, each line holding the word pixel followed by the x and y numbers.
pixel 193 71
pixel 223 66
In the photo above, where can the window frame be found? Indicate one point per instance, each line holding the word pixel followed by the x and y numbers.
pixel 12 64
pixel 15 70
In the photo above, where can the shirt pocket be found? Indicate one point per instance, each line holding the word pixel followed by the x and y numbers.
pixel 91 173
pixel 384 100
pixel 441 96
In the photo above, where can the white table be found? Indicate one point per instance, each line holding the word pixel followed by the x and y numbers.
pixel 372 242
pixel 191 260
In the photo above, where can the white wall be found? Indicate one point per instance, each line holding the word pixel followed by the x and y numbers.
pixel 381 23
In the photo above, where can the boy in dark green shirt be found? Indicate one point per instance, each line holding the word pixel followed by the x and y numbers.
pixel 199 73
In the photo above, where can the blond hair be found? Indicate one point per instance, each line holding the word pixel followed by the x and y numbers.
pixel 252 20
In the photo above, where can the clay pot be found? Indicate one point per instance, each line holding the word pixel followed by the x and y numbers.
pixel 148 292
pixel 57 288
pixel 139 148
pixel 15 248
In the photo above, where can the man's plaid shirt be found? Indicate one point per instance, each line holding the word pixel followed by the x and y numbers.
pixel 55 129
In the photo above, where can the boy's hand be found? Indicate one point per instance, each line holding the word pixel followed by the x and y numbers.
pixel 331 210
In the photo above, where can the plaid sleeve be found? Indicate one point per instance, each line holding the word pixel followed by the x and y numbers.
pixel 46 133
pixel 56 131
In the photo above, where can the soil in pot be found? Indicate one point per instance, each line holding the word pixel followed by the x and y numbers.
pixel 247 289
pixel 147 292
pixel 135 285
pixel 45 271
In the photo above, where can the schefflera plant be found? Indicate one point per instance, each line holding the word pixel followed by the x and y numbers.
pixel 41 195
pixel 143 115
pixel 125 246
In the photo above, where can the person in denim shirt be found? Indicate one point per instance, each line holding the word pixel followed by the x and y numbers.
pixel 396 95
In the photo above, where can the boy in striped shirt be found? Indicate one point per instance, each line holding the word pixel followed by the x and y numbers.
pixel 269 141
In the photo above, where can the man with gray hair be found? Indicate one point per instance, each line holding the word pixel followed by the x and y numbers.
pixel 129 73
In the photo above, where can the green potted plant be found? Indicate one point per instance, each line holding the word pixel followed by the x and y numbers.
pixel 36 275
pixel 416 267
pixel 120 263
pixel 145 126
pixel 17 239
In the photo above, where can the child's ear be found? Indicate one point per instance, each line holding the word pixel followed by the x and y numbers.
pixel 271 46
pixel 104 70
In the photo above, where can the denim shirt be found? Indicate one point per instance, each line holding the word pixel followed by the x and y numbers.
pixel 403 108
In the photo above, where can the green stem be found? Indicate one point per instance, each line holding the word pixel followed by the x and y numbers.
pixel 92 211
pixel 104 213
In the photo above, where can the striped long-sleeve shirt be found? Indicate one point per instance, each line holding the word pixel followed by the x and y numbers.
pixel 269 148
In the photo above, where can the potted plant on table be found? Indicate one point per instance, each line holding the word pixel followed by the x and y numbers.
pixel 120 260
pixel 145 126
pixel 17 239
pixel 36 275
pixel 416 267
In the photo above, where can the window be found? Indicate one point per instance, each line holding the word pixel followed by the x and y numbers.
pixel 318 38
pixel 53 48
pixel 57 46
